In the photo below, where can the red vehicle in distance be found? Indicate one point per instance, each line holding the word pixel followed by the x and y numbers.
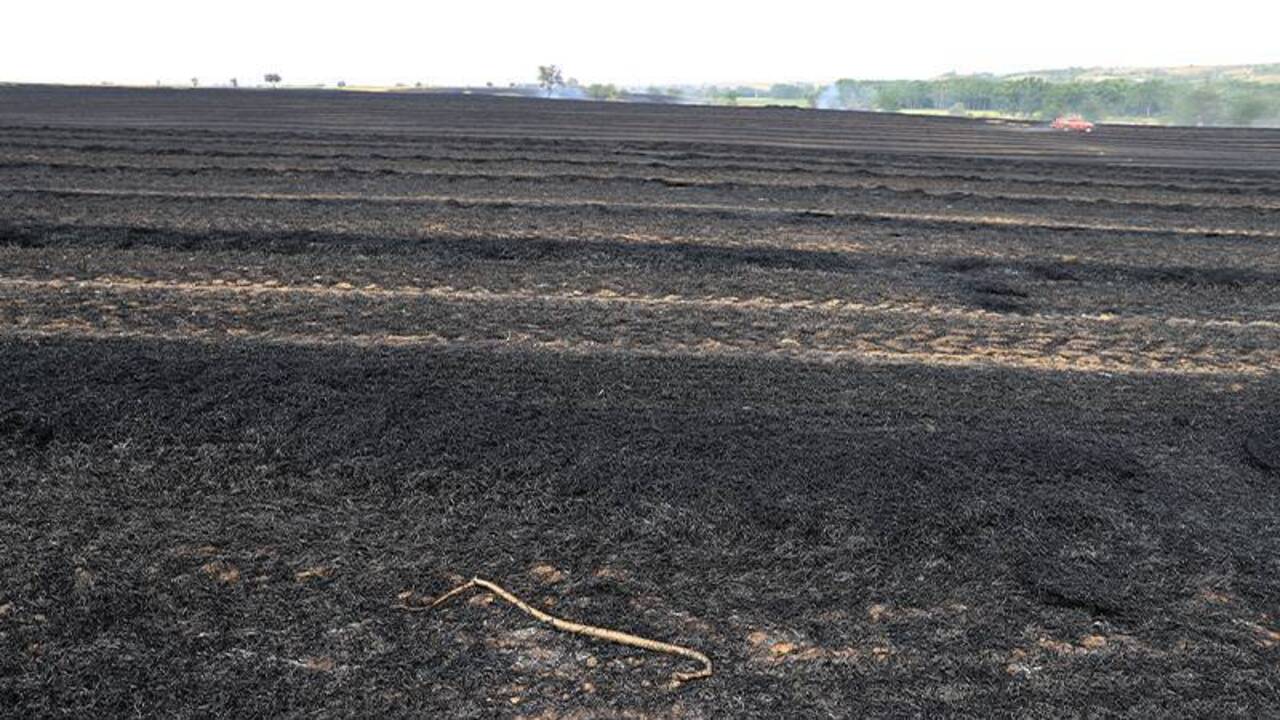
pixel 1072 123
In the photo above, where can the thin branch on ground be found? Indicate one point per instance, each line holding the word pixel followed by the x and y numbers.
pixel 569 626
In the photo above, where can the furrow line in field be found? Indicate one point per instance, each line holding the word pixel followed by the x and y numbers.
pixel 911 149
pixel 672 182
pixel 609 297
pixel 1032 222
pixel 611 159
pixel 868 353
pixel 1054 174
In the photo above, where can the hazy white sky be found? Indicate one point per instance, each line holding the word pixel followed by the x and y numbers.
pixel 658 41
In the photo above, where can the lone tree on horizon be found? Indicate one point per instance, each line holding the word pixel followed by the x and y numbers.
pixel 272 78
pixel 550 77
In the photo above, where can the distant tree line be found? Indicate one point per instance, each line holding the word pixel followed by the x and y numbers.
pixel 598 91
pixel 1200 102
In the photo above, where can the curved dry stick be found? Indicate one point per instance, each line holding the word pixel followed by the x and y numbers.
pixel 568 626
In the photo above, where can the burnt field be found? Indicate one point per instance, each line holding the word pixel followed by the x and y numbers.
pixel 890 416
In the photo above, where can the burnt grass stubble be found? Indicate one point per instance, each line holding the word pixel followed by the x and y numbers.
pixel 214 498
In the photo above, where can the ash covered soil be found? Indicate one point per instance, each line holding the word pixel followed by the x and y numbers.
pixel 890 416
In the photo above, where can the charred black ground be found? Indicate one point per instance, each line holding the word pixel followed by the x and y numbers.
pixel 890 416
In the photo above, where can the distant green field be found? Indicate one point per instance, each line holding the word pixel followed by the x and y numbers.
pixel 765 101
pixel 995 114
pixel 966 113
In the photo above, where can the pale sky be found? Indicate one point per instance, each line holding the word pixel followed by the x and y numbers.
pixel 632 43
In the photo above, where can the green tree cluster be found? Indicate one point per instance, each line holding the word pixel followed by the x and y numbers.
pixel 597 91
pixel 1207 102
